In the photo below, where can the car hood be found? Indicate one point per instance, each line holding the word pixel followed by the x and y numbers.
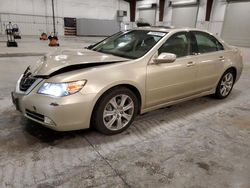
pixel 79 58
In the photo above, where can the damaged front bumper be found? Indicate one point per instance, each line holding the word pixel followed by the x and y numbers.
pixel 59 113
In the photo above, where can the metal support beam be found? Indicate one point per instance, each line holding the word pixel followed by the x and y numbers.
pixel 132 7
pixel 161 14
pixel 209 9
pixel 53 39
pixel 53 12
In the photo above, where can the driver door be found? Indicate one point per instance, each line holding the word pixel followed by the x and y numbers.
pixel 172 81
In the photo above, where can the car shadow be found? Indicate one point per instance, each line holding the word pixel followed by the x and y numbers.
pixel 49 136
pixel 55 138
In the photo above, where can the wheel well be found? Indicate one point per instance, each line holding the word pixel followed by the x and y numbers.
pixel 136 92
pixel 234 71
pixel 131 88
pixel 128 86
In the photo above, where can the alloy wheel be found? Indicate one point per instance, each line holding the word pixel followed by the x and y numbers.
pixel 118 112
pixel 226 84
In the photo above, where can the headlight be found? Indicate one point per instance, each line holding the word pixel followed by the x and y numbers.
pixel 61 89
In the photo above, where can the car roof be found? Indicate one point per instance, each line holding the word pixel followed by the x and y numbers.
pixel 167 29
pixel 171 29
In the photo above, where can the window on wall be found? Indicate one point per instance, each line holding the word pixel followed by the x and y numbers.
pixel 207 43
pixel 177 44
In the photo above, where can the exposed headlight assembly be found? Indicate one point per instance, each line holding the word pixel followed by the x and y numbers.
pixel 61 89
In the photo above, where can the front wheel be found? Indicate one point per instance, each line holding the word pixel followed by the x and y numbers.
pixel 115 111
pixel 225 84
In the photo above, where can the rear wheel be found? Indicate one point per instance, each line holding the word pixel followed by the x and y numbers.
pixel 225 84
pixel 115 111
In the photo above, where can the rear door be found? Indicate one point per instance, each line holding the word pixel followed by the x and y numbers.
pixel 209 58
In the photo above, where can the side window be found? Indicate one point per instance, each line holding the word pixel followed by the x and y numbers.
pixel 177 44
pixel 207 43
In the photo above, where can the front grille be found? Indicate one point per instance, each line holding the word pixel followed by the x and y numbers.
pixel 34 115
pixel 26 82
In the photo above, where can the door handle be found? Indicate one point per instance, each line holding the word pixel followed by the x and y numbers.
pixel 191 63
pixel 221 58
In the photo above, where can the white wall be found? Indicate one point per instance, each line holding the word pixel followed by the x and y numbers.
pixel 167 17
pixel 201 23
pixel 216 18
pixel 34 16
pixel 145 3
pixel 32 25
pixel 237 32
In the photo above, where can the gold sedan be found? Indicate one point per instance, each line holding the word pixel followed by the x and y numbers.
pixel 129 73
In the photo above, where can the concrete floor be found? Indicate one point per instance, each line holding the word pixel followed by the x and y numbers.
pixel 196 144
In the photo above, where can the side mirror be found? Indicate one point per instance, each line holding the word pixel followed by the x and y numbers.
pixel 165 58
pixel 89 47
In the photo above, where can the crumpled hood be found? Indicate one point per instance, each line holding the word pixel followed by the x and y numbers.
pixel 67 57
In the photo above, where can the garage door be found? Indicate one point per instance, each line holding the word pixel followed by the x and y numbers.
pixel 147 15
pixel 236 27
pixel 184 16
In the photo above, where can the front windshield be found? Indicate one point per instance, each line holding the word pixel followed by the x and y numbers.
pixel 132 45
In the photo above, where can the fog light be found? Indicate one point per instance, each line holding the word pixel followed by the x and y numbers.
pixel 48 121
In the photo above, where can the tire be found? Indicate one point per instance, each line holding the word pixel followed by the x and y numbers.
pixel 225 84
pixel 115 111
